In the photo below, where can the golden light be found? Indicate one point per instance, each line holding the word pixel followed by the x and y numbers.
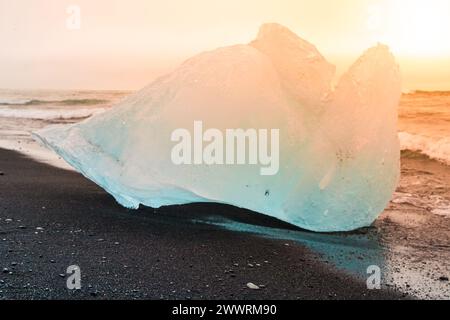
pixel 413 28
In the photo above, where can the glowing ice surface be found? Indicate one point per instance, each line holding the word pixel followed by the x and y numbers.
pixel 339 151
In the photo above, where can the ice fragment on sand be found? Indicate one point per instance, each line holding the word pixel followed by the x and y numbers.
pixel 339 155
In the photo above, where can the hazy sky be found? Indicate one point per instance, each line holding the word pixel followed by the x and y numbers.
pixel 124 44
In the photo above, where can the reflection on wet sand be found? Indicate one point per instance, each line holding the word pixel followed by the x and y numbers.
pixel 410 242
pixel 349 252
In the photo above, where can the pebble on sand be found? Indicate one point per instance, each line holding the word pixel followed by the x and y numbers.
pixel 252 286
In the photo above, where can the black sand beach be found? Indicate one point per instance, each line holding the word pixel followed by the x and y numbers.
pixel 51 218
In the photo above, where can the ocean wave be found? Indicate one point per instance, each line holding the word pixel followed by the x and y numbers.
pixel 427 93
pixel 434 148
pixel 65 102
pixel 49 114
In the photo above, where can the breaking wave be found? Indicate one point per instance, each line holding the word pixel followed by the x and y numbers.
pixel 65 102
pixel 49 114
pixel 434 148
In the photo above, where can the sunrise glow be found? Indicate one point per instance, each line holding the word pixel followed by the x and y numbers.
pixel 125 44
pixel 413 28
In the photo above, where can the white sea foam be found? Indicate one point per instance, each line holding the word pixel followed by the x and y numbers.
pixel 14 101
pixel 35 151
pixel 436 148
pixel 49 114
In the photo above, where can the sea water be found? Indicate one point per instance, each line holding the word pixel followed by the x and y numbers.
pixel 424 117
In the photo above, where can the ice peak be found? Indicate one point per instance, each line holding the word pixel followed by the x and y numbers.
pixel 278 32
pixel 305 73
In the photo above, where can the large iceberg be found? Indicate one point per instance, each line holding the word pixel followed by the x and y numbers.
pixel 338 151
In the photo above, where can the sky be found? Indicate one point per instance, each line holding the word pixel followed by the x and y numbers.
pixel 125 44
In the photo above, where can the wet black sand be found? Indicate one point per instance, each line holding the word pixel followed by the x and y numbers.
pixel 51 218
